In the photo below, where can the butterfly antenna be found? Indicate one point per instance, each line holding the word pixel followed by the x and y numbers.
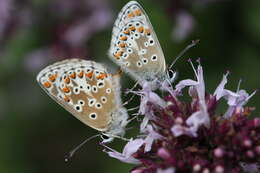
pixel 72 152
pixel 193 43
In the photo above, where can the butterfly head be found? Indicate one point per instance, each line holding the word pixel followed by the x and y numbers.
pixel 171 75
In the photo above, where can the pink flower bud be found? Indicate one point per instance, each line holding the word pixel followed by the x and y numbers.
pixel 219 152
pixel 247 143
pixel 257 149
pixel 196 168
pixel 250 154
pixel 257 122
pixel 206 170
pixel 219 169
pixel 178 120
pixel 163 153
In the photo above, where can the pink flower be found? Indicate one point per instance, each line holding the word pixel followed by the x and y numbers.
pixel 199 117
pixel 129 149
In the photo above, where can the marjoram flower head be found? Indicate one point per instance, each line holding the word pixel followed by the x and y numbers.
pixel 189 136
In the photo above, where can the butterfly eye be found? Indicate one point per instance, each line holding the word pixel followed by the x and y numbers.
pixel 104 137
pixel 171 75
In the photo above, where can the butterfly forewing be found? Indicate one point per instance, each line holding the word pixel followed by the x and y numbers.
pixel 84 88
pixel 134 44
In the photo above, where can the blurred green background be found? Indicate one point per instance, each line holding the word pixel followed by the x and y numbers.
pixel 36 132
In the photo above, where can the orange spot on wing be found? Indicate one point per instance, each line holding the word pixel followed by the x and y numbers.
pixel 67 80
pixel 118 54
pixel 131 14
pixel 102 76
pixel 126 32
pixel 66 99
pixel 66 89
pixel 138 12
pixel 89 74
pixel 140 29
pixel 123 38
pixel 122 45
pixel 81 74
pixel 73 75
pixel 47 84
pixel 132 28
pixel 147 31
pixel 52 78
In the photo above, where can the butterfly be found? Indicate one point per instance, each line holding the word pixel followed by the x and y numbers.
pixel 88 92
pixel 135 48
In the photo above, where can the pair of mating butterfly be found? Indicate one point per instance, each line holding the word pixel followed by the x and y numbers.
pixel 90 93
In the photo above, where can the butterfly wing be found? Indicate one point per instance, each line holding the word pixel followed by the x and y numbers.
pixel 134 45
pixel 84 88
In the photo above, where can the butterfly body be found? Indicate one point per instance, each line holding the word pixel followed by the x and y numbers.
pixel 88 92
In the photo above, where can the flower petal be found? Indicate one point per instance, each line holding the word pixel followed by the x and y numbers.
pixel 123 158
pixel 219 92
pixel 132 146
pixel 198 119
pixel 152 135
pixel 168 170
pixel 179 130
pixel 184 83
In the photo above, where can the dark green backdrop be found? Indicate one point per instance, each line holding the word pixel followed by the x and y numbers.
pixel 36 133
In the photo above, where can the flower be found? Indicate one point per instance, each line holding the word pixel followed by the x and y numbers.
pixel 130 148
pixel 189 136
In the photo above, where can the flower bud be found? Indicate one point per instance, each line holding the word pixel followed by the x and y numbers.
pixel 219 152
pixel 219 169
pixel 196 167
pixel 163 153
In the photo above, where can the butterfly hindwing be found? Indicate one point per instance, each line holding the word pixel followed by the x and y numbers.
pixel 134 44
pixel 84 88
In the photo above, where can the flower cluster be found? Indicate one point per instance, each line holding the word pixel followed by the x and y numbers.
pixel 185 137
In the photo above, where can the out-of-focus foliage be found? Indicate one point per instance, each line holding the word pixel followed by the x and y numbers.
pixel 36 132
